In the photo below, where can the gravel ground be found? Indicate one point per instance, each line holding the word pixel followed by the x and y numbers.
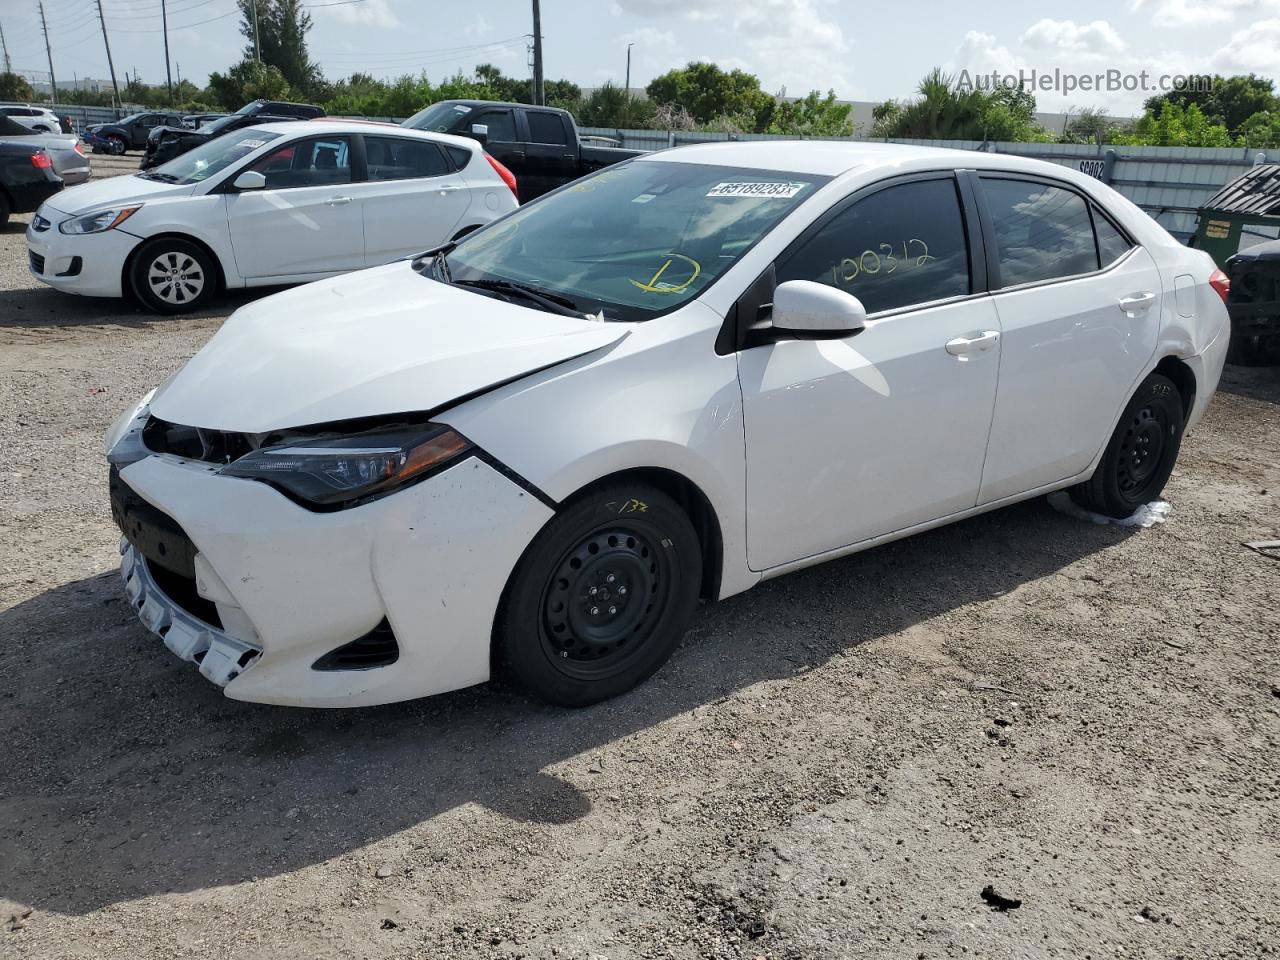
pixel 833 765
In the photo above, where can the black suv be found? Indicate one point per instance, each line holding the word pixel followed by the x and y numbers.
pixel 165 143
pixel 128 134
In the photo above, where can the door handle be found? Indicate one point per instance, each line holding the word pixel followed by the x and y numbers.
pixel 963 347
pixel 448 187
pixel 337 201
pixel 1137 303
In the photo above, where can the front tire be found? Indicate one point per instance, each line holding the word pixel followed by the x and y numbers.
pixel 171 275
pixel 601 597
pixel 1140 456
pixel 115 146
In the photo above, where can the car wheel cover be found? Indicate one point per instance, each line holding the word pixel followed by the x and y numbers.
pixel 603 601
pixel 1142 448
pixel 175 278
pixel 117 145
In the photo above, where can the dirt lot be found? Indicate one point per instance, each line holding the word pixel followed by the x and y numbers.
pixel 824 770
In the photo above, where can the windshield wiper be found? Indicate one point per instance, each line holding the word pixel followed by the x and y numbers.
pixel 551 302
pixel 434 260
pixel 162 177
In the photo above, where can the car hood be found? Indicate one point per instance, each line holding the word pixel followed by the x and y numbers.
pixel 381 341
pixel 114 190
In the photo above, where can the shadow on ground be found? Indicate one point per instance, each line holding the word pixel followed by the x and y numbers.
pixel 45 307
pixel 1257 383
pixel 129 775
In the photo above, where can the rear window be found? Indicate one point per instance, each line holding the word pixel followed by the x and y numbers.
pixel 1042 232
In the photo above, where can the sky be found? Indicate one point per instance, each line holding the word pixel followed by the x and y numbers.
pixel 861 51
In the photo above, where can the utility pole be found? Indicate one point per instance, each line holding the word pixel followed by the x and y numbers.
pixel 53 81
pixel 539 94
pixel 627 85
pixel 257 50
pixel 107 43
pixel 168 76
pixel 7 67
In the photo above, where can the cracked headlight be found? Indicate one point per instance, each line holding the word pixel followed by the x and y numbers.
pixel 332 472
pixel 99 222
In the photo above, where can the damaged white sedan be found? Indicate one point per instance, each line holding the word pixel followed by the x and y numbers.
pixel 534 450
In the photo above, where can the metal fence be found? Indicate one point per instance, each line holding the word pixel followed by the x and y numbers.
pixel 1169 183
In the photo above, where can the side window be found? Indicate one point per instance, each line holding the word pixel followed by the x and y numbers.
pixel 900 246
pixel 391 158
pixel 501 124
pixel 1111 242
pixel 1042 232
pixel 150 120
pixel 310 163
pixel 546 128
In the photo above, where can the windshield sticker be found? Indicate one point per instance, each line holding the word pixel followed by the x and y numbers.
pixel 772 191
pixel 644 198
pixel 461 108
pixel 251 143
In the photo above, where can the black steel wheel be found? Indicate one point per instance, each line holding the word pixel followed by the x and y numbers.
pixel 601 597
pixel 1140 456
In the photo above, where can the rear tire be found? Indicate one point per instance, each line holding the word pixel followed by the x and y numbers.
pixel 1141 453
pixel 601 597
pixel 1246 350
pixel 170 275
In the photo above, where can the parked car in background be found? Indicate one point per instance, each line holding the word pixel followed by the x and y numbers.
pixel 165 143
pixel 27 177
pixel 273 204
pixel 700 369
pixel 539 145
pixel 1254 304
pixel 127 134
pixel 35 118
pixel 70 162
pixel 194 121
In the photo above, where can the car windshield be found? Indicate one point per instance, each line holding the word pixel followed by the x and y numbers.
pixel 635 240
pixel 439 117
pixel 210 158
pixel 213 126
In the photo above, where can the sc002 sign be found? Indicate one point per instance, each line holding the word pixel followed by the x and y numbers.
pixel 1093 168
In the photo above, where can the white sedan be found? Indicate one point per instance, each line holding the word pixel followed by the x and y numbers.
pixel 279 203
pixel 535 451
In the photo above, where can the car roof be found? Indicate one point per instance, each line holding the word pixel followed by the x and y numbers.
pixel 831 158
pixel 322 125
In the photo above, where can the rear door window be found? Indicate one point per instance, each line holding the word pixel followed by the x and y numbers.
pixel 1042 232
pixel 546 128
pixel 396 158
pixel 1112 244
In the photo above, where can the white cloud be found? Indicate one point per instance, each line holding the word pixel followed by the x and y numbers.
pixel 1173 14
pixel 1078 41
pixel 480 27
pixel 1251 50
pixel 374 13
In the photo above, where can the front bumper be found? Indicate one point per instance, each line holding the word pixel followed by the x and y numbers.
pixel 91 265
pixel 291 586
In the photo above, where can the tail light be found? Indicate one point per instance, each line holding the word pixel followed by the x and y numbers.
pixel 1221 283
pixel 80 149
pixel 41 161
pixel 507 176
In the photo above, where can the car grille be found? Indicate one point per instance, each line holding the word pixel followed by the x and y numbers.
pixel 37 262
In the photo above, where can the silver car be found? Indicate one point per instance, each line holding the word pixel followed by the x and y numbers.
pixel 64 149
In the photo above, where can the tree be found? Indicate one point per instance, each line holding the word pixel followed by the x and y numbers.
pixel 248 81
pixel 1175 126
pixel 15 87
pixel 1225 101
pixel 611 106
pixel 706 92
pixel 945 110
pixel 282 27
pixel 1261 130
pixel 813 116
pixel 1090 125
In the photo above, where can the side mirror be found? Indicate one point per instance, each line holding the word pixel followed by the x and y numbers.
pixel 480 131
pixel 250 180
pixel 814 311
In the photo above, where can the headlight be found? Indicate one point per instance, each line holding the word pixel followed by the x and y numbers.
pixel 336 471
pixel 99 222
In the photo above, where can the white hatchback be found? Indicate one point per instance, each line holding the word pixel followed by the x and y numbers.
pixel 280 203
pixel 673 379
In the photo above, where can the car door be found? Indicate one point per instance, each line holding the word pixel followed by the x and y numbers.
pixel 413 198
pixel 550 158
pixel 306 220
pixel 502 141
pixel 1078 329
pixel 851 439
pixel 141 129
